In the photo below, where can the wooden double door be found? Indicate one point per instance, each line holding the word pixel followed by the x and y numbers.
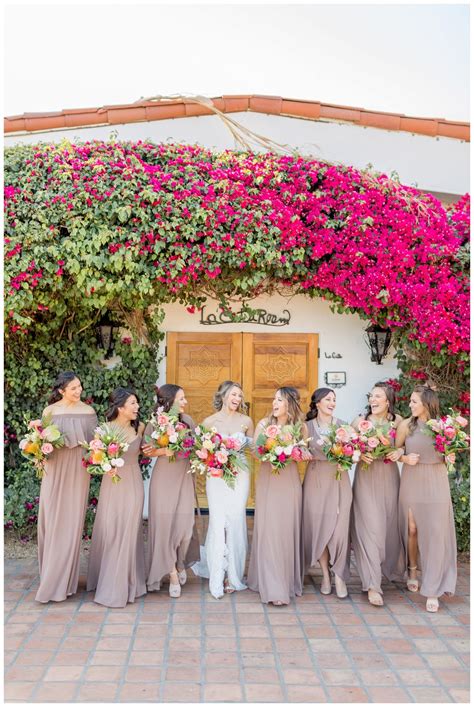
pixel 259 362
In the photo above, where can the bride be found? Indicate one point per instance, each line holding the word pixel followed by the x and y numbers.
pixel 224 553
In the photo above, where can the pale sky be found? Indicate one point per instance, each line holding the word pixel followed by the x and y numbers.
pixel 411 59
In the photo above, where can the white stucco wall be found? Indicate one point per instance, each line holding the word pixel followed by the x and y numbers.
pixel 433 164
pixel 338 333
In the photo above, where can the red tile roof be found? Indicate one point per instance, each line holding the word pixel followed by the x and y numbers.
pixel 275 105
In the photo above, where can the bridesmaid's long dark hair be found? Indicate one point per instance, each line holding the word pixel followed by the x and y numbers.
pixel 117 399
pixel 429 398
pixel 61 382
pixel 391 398
pixel 317 396
pixel 165 397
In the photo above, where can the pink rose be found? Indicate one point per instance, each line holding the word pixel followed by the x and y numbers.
pixel 97 444
pixel 461 421
pixel 365 426
pixel 272 431
pixel 215 472
pixel 113 448
pixel 47 448
pixel 231 443
pixel 180 426
pixel 222 457
pixel 34 423
pixel 373 442
pixel 201 453
pixel 342 435
pixel 162 420
pixel 348 450
pixel 450 432
pixel 297 454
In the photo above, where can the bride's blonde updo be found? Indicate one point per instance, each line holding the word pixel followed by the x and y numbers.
pixel 222 392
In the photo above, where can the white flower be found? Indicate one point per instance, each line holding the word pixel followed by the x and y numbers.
pixel 173 438
pixel 23 443
pixel 155 435
pixel 197 430
pixel 356 456
pixel 288 450
pixel 125 446
pixel 207 444
pixel 118 462
pixel 278 450
pixel 106 466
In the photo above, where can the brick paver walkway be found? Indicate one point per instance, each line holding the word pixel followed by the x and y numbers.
pixel 197 649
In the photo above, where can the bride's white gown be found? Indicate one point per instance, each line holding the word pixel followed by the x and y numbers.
pixel 225 549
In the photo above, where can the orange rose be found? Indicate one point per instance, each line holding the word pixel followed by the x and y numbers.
pixel 337 450
pixel 97 456
pixel 32 448
pixel 270 443
pixel 163 441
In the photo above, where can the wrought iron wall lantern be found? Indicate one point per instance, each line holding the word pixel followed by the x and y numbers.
pixel 378 341
pixel 105 334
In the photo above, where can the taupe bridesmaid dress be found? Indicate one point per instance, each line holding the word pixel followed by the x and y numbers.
pixel 275 556
pixel 62 509
pixel 326 510
pixel 374 532
pixel 170 517
pixel 425 489
pixel 117 554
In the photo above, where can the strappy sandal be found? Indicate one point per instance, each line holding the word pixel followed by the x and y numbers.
pixel 326 587
pixel 432 605
pixel 341 590
pixel 412 584
pixel 174 589
pixel 182 576
pixel 376 598
pixel 227 588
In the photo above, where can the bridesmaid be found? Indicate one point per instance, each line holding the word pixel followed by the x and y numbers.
pixel 425 508
pixel 64 492
pixel 374 521
pixel 326 501
pixel 275 558
pixel 117 555
pixel 225 550
pixel 171 505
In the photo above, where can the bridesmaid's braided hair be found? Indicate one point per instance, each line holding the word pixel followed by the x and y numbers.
pixel 429 398
pixel 61 382
pixel 165 397
pixel 117 399
pixel 220 394
pixel 295 413
pixel 391 398
pixel 317 396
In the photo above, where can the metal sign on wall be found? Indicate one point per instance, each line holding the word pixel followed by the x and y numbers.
pixel 246 315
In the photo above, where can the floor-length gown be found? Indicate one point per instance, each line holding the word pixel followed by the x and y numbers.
pixel 117 554
pixel 275 557
pixel 225 549
pixel 374 532
pixel 424 488
pixel 326 510
pixel 170 516
pixel 62 509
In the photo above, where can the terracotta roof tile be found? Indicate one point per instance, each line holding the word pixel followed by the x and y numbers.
pixel 273 105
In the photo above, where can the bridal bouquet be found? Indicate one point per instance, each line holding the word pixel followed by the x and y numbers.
pixel 375 440
pixel 216 456
pixel 41 440
pixel 169 432
pixel 449 436
pixel 280 445
pixel 341 447
pixel 104 453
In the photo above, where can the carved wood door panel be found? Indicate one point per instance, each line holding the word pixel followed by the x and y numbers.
pixel 274 360
pixel 260 362
pixel 199 363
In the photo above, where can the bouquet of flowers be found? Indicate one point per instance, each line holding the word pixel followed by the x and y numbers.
pixel 216 456
pixel 104 453
pixel 280 445
pixel 41 440
pixel 341 447
pixel 375 439
pixel 169 432
pixel 449 436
